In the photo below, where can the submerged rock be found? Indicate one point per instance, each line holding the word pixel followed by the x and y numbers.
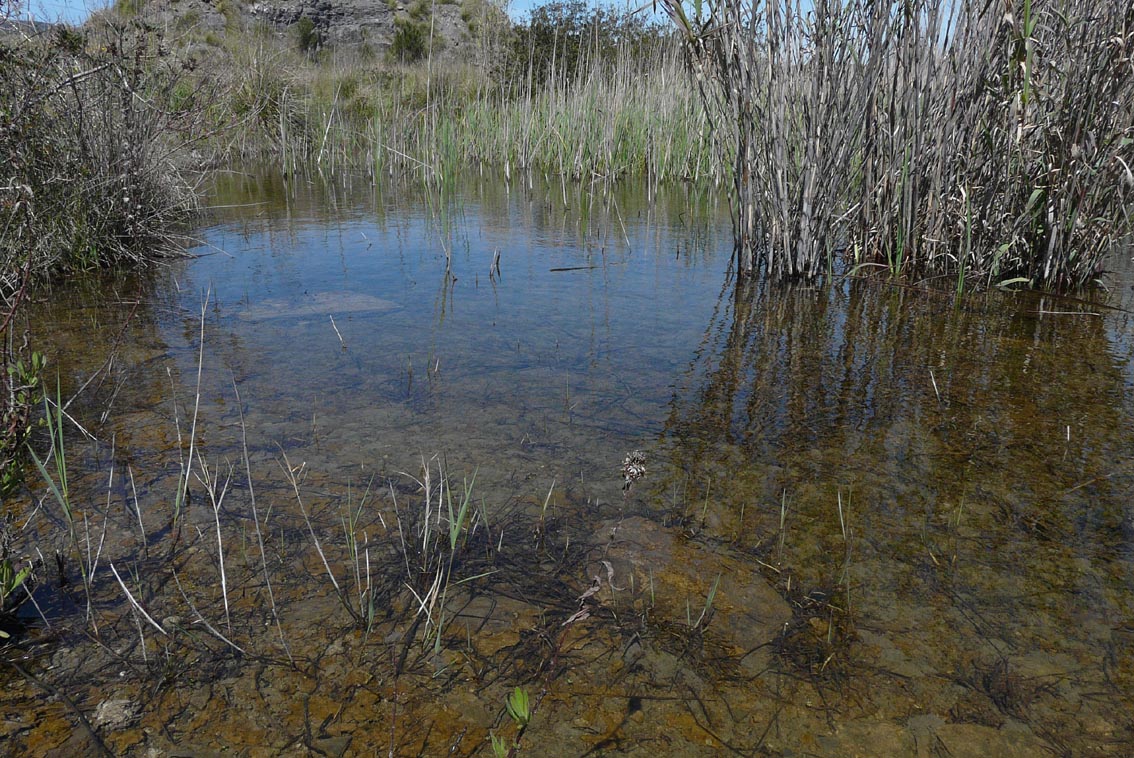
pixel 116 714
pixel 646 568
pixel 317 304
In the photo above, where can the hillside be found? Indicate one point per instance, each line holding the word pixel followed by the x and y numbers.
pixel 452 30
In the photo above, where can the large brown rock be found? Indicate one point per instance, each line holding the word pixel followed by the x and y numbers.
pixel 646 568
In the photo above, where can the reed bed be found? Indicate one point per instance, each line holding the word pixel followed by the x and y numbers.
pixel 990 142
pixel 607 116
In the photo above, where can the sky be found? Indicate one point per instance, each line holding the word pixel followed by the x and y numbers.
pixel 72 11
pixel 76 11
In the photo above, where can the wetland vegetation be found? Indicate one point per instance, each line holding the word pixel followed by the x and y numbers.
pixel 463 428
pixel 970 141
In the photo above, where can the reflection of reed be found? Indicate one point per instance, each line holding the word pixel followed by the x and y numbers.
pixel 594 215
pixel 818 388
pixel 988 505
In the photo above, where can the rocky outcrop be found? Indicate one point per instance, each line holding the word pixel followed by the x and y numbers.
pixel 351 22
pixel 451 29
pixel 370 22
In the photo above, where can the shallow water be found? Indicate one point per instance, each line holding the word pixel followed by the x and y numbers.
pixel 876 519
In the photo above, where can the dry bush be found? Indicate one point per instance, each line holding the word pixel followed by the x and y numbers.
pixel 87 179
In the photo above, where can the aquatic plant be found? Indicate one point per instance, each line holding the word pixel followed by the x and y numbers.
pixel 519 707
pixel 58 487
pixel 20 391
pixel 56 482
pixel 11 581
pixel 430 558
pixel 15 579
pixel 706 612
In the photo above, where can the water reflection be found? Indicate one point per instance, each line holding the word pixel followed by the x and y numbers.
pixel 952 473
pixel 523 324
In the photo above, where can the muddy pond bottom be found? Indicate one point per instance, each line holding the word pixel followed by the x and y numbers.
pixel 522 471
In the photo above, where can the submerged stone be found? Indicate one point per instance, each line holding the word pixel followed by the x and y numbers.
pixel 317 304
pixel 651 569
pixel 115 714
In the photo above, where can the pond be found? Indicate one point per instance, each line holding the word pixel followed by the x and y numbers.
pixel 376 458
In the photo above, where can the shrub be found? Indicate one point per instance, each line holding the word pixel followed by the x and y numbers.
pixel 307 36
pixel 128 8
pixel 560 35
pixel 411 41
pixel 86 180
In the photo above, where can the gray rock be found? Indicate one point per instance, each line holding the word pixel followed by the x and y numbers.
pixel 335 747
pixel 317 304
pixel 115 714
pixel 342 24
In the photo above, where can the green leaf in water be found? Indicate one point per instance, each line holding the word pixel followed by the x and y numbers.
pixel 519 707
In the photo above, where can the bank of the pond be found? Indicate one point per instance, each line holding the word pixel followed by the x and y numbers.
pixel 89 182
pixel 589 103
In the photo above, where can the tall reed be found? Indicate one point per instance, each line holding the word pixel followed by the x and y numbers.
pixel 991 142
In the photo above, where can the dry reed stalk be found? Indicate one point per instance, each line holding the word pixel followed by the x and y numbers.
pixel 991 142
pixel 216 492
pixel 256 522
pixel 134 603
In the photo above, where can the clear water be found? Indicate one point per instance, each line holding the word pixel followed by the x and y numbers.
pixel 876 520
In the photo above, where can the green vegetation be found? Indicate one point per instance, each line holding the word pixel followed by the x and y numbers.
pixel 20 385
pixel 128 8
pixel 519 709
pixel 411 40
pixel 17 575
pixel 563 37
pixel 307 36
pixel 619 113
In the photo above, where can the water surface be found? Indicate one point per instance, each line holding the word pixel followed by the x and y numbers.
pixel 876 519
